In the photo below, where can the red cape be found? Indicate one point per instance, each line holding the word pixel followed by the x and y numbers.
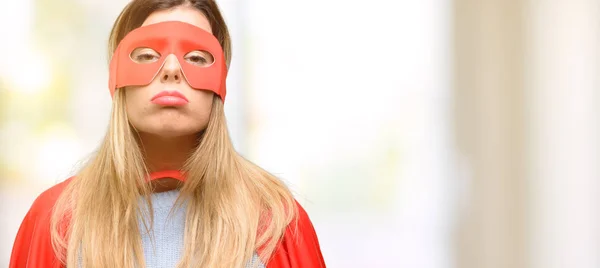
pixel 299 247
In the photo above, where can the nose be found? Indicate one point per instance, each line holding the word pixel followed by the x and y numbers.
pixel 171 70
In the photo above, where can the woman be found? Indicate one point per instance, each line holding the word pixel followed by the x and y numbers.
pixel 166 188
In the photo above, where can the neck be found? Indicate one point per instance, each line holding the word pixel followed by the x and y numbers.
pixel 163 154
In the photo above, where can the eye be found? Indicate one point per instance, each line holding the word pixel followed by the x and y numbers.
pixel 199 58
pixel 144 55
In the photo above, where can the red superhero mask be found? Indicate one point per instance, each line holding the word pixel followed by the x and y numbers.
pixel 166 38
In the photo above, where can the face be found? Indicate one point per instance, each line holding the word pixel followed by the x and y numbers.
pixel 170 116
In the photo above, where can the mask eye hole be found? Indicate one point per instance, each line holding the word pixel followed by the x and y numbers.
pixel 144 55
pixel 199 58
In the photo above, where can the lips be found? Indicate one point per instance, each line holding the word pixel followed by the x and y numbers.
pixel 169 98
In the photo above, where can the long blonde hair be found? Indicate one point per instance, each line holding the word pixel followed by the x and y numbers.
pixel 233 206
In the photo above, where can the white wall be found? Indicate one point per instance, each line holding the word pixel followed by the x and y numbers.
pixel 350 104
pixel 564 124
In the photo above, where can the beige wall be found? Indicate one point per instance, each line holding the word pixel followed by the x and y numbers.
pixel 489 103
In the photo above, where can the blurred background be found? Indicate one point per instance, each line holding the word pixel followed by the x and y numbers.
pixel 430 133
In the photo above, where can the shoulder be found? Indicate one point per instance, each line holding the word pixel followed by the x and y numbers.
pixel 44 202
pixel 32 246
pixel 302 222
pixel 299 246
pixel 302 228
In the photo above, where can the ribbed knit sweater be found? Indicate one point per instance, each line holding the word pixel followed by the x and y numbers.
pixel 167 233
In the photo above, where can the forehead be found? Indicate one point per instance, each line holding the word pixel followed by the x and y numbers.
pixel 187 14
pixel 170 36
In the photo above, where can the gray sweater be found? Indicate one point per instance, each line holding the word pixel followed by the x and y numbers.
pixel 168 233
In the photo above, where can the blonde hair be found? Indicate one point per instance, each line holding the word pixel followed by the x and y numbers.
pixel 234 207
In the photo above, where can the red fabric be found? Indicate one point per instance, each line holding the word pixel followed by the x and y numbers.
pixel 33 247
pixel 175 174
pixel 166 38
pixel 299 247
